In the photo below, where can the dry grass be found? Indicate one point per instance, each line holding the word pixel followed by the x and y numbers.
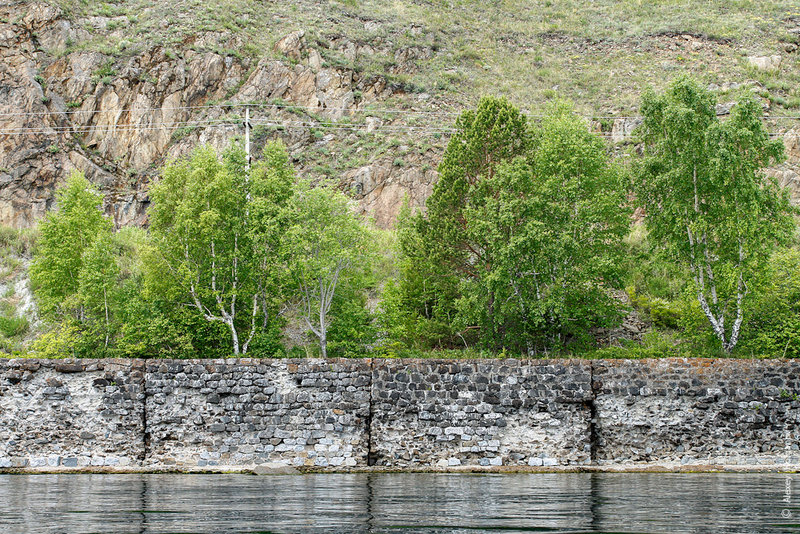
pixel 598 53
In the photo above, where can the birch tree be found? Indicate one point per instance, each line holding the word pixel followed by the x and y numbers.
pixel 98 286
pixel 65 236
pixel 706 199
pixel 206 243
pixel 326 244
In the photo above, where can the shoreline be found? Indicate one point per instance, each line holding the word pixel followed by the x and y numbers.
pixel 466 470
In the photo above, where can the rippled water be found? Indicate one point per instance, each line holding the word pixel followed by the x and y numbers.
pixel 403 503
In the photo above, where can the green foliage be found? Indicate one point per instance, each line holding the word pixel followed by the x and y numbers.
pixel 707 203
pixel 64 238
pixel 326 247
pixel 97 284
pixel 214 230
pixel 772 326
pixel 661 312
pixel 352 330
pixel 105 73
pixel 523 234
pixel 63 341
pixel 18 241
pixel 655 344
pixel 435 250
pixel 13 326
pixel 417 308
pixel 649 272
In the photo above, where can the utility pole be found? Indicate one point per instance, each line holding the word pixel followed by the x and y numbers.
pixel 247 136
pixel 247 151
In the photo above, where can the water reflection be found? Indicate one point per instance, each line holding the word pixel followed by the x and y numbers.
pixel 407 503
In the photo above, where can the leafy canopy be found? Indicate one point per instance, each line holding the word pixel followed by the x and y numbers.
pixel 706 199
pixel 66 235
pixel 521 236
pixel 215 228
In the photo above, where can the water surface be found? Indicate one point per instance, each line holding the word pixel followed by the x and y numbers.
pixel 400 503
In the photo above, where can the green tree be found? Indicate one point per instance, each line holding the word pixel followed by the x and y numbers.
pixel 494 133
pixel 65 236
pixel 522 236
pixel 212 230
pixel 435 249
pixel 706 200
pixel 326 247
pixel 417 307
pixel 98 284
pixel 773 314
pixel 547 231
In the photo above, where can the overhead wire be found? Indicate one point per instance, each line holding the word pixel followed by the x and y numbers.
pixel 308 109
pixel 331 124
pixel 30 130
pixel 281 106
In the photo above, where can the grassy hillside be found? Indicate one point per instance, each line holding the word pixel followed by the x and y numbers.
pixel 597 53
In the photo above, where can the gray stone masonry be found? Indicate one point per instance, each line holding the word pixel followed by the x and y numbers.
pixel 697 411
pixel 340 414
pixel 305 413
pixel 71 413
pixel 481 412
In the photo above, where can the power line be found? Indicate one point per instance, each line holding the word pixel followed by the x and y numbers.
pixel 276 106
pixel 309 109
pixel 277 125
pixel 33 130
pixel 96 127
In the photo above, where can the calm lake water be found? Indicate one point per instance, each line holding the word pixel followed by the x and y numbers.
pixel 402 503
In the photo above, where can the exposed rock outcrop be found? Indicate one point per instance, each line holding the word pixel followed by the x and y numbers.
pixel 766 63
pixel 787 174
pixel 381 188
pixel 117 120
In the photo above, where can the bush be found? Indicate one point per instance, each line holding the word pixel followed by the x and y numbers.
pixel 662 313
pixel 13 326
pixel 772 317
pixel 18 241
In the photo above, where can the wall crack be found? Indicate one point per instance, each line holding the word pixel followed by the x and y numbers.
pixel 372 457
pixel 593 439
pixel 145 428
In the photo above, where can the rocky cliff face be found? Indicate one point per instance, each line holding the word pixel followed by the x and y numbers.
pixel 118 118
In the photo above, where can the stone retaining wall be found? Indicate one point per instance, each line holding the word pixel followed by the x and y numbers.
pixel 729 412
pixel 406 414
pixel 71 413
pixel 511 412
pixel 308 413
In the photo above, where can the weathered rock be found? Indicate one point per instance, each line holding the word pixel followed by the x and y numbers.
pixel 725 108
pixel 382 186
pixel 126 113
pixel 622 129
pixel 765 62
pixel 292 45
pixel 787 174
pixel 275 469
